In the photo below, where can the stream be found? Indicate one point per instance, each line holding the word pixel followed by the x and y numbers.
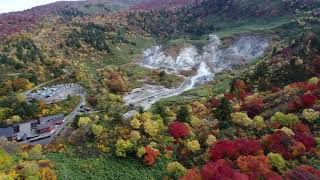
pixel 212 60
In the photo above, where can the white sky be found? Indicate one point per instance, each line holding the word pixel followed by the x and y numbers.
pixel 19 5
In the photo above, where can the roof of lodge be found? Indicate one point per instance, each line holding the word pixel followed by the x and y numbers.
pixel 51 117
pixel 6 132
pixel 44 125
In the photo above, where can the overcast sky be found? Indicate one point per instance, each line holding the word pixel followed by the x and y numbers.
pixel 19 5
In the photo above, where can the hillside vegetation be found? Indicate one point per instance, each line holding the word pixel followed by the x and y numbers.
pixel 258 120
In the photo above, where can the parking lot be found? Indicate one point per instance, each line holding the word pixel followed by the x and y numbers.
pixel 55 93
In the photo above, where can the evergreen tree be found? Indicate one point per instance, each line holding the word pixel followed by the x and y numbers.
pixel 183 115
pixel 223 113
pixel 161 110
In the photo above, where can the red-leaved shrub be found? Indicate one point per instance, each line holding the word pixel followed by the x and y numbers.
pixel 287 146
pixel 178 130
pixel 300 127
pixel 308 100
pixel 254 107
pixel 256 164
pixel 215 103
pixel 233 149
pixel 248 147
pixel 151 156
pixel 303 173
pixel 229 96
pixel 275 89
pixel 191 174
pixel 243 95
pixel 221 169
pixel 307 140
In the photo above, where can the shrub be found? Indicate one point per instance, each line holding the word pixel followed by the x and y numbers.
pixel 97 130
pixel 176 169
pixel 285 120
pixel 300 127
pixel 135 123
pixel 30 171
pixel 150 156
pixel 211 139
pixel 303 172
pixel 193 145
pixel 241 118
pixel 122 146
pixel 308 100
pixel 232 149
pixel 141 152
pixel 279 142
pixel 223 149
pixel 310 115
pixel 179 130
pixel 248 147
pixel 5 161
pixel 199 109
pixel 196 122
pixel 287 131
pixel 220 169
pixel 35 153
pixel 152 128
pixel 84 121
pixel 256 164
pixel 307 140
pixel 253 105
pixel 135 136
pixel 277 161
pixel 313 80
pixel 191 174
pixel 215 103
pixel 258 123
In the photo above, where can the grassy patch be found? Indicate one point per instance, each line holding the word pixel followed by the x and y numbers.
pixel 125 53
pixel 251 25
pixel 109 167
pixel 218 86
pixel 138 76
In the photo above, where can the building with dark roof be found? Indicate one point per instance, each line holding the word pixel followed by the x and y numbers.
pixel 45 127
pixel 54 120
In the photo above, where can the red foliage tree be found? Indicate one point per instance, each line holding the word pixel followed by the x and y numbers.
pixel 179 130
